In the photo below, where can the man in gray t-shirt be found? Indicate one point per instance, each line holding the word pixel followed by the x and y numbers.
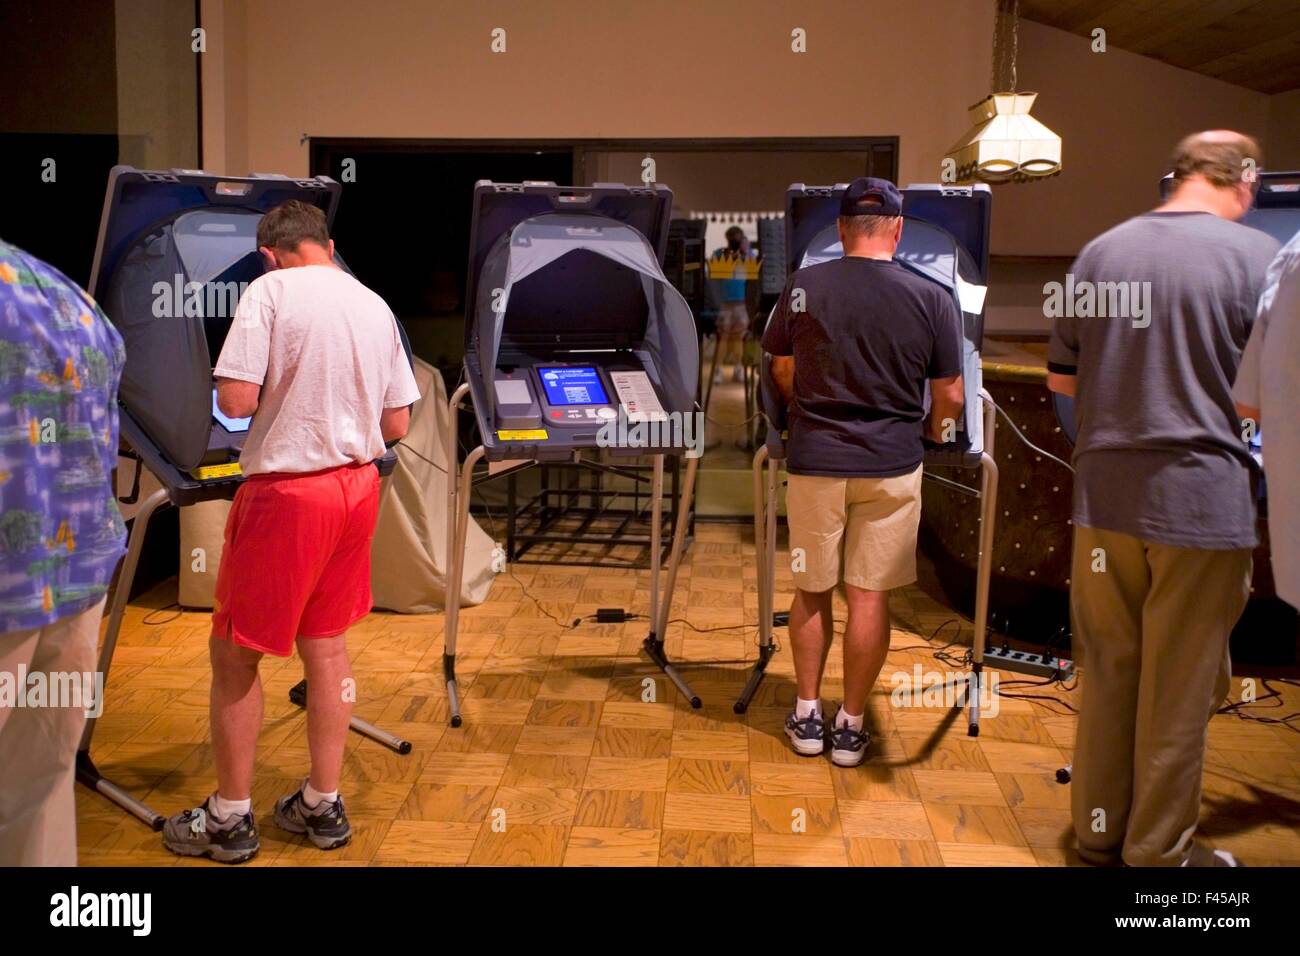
pixel 1150 327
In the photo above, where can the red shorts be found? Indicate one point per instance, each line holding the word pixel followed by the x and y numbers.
pixel 297 557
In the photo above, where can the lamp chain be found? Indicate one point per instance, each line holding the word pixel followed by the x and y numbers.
pixel 1006 32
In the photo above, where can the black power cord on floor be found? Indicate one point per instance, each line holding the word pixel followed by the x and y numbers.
pixel 616 615
pixel 1235 709
pixel 511 571
pixel 159 610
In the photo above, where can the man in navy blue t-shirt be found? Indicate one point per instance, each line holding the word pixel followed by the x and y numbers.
pixel 854 342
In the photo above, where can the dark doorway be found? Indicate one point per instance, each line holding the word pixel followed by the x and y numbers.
pixel 403 223
pixel 55 217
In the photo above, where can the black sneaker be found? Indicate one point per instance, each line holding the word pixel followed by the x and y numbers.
pixel 848 746
pixel 197 832
pixel 807 734
pixel 326 826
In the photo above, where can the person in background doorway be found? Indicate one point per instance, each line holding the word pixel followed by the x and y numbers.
pixel 1164 503
pixel 317 360
pixel 854 343
pixel 61 537
pixel 1267 390
pixel 737 261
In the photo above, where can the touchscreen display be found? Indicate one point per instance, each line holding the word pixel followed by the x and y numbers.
pixel 573 385
pixel 226 422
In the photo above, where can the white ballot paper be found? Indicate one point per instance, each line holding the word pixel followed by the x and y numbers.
pixel 637 397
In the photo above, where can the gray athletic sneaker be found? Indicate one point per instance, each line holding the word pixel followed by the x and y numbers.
pixel 326 826
pixel 197 832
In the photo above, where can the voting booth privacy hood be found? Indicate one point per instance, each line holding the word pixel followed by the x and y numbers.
pixel 571 327
pixel 945 239
pixel 175 250
pixel 566 302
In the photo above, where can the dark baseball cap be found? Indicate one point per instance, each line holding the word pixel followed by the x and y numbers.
pixel 869 196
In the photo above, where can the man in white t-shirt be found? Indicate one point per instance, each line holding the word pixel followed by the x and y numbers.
pixel 317 360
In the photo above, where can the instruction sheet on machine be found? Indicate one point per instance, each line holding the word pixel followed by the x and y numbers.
pixel 637 397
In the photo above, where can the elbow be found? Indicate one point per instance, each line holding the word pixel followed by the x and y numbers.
pixel 394 425
pixel 953 398
pixel 232 408
pixel 1061 384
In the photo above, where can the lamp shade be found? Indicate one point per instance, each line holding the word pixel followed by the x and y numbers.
pixel 1005 143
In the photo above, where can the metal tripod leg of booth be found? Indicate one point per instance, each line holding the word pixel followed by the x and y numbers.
pixel 459 485
pixel 87 773
pixel 457 502
pixel 713 370
pixel 661 605
pixel 298 695
pixel 765 504
pixel 984 566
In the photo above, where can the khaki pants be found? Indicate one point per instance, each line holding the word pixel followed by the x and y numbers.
pixel 38 745
pixel 1152 632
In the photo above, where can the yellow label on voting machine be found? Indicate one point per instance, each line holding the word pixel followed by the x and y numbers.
pixel 209 472
pixel 523 434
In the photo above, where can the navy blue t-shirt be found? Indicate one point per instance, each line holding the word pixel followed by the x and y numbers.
pixel 865 335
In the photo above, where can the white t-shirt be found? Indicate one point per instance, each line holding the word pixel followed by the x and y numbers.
pixel 328 355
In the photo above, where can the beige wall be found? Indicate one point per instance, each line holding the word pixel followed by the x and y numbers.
pixel 1283 146
pixel 618 68
pixel 1118 115
pixel 156 86
pixel 739 181
pixel 591 68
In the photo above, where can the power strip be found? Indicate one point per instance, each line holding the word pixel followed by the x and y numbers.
pixel 1024 662
pixel 1038 665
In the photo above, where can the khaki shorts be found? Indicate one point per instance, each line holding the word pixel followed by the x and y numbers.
pixel 733 318
pixel 874 521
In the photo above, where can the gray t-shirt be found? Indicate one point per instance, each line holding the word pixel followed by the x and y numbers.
pixel 1160 454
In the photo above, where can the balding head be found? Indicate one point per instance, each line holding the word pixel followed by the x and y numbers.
pixel 1220 166
pixel 1220 156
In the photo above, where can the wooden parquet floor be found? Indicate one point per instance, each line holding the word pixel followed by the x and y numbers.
pixel 561 760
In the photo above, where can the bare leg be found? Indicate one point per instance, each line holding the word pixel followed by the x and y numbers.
pixel 810 637
pixel 235 706
pixel 329 708
pixel 730 348
pixel 866 644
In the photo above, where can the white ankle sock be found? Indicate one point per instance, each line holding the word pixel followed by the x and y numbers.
pixel 223 808
pixel 313 797
pixel 844 718
pixel 806 708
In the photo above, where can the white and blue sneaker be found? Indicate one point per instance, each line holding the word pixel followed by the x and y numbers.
pixel 807 734
pixel 848 745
